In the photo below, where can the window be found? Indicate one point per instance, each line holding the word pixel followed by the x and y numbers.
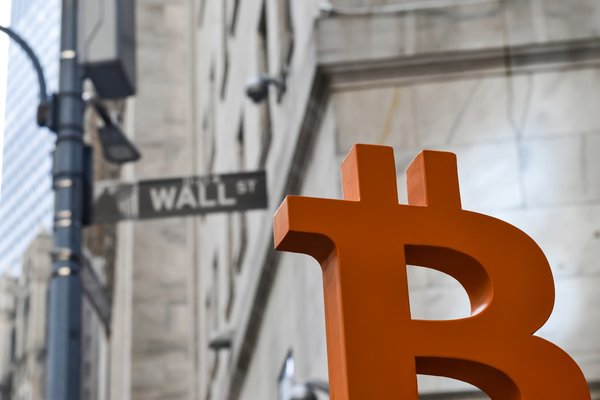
pixel 286 35
pixel 26 325
pixel 209 122
pixel 230 269
pixel 241 148
pixel 214 302
pixel 265 106
pixel 243 231
pixel 211 304
pixel 224 36
pixel 234 16
pixel 225 73
pixel 236 229
pixel 13 344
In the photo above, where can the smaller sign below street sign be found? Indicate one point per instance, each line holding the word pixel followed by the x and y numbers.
pixel 161 198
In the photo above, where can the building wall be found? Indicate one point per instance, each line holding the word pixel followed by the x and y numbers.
pixel 232 248
pixel 29 365
pixel 23 332
pixel 8 293
pixel 150 339
pixel 509 87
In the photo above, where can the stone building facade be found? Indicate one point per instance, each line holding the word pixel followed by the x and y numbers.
pixel 29 366
pixel 23 332
pixel 150 355
pixel 8 294
pixel 509 86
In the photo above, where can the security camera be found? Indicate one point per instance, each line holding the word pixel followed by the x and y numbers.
pixel 327 9
pixel 307 390
pixel 302 391
pixel 257 87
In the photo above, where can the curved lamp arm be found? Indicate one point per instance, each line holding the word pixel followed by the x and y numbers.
pixel 35 61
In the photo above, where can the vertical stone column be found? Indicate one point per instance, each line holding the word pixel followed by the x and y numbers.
pixel 151 324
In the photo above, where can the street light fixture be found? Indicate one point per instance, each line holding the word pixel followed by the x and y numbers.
pixel 116 147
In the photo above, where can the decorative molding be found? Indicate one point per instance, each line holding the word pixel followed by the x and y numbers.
pixel 497 61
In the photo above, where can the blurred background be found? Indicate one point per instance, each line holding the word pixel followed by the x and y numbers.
pixel 198 305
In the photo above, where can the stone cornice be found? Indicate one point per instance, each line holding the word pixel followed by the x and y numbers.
pixel 352 74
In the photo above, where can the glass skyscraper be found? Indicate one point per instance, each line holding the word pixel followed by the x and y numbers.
pixel 26 200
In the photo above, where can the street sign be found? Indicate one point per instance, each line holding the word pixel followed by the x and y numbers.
pixel 162 198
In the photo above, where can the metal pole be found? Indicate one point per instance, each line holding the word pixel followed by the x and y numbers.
pixel 64 318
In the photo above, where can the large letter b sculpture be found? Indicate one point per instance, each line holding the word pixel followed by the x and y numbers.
pixel 364 243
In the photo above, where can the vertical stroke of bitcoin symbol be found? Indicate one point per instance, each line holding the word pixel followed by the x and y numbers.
pixel 363 244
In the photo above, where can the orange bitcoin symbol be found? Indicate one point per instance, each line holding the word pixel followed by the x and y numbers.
pixel 363 244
